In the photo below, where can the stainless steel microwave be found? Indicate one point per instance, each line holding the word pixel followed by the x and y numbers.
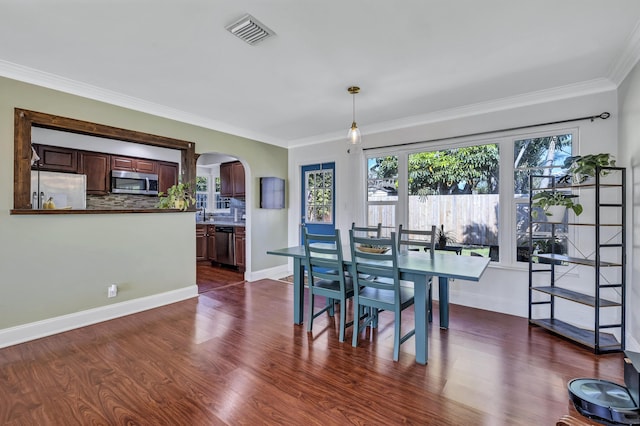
pixel 123 182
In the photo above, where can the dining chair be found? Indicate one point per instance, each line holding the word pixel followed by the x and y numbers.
pixel 326 276
pixel 377 285
pixel 415 239
pixel 367 231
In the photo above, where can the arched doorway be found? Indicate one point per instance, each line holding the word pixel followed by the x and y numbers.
pixel 221 196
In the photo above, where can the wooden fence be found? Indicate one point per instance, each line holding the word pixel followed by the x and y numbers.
pixel 471 218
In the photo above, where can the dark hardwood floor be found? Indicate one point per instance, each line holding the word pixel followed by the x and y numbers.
pixel 232 356
pixel 216 277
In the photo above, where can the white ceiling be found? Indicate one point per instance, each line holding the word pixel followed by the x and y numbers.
pixel 413 59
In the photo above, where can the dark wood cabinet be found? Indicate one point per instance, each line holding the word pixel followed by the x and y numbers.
pixel 237 177
pixel 232 180
pixel 201 242
pixel 131 164
pixel 211 242
pixel 205 242
pixel 167 175
pixel 56 158
pixel 226 184
pixel 96 166
pixel 240 247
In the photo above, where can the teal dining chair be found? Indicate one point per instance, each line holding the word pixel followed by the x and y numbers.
pixel 326 276
pixel 367 231
pixel 415 240
pixel 377 285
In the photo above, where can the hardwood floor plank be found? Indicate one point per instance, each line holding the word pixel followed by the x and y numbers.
pixel 233 356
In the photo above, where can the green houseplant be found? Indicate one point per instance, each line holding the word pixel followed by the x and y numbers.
pixel 582 167
pixel 546 200
pixel 444 237
pixel 178 196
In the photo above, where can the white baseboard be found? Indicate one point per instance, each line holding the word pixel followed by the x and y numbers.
pixel 274 273
pixel 35 330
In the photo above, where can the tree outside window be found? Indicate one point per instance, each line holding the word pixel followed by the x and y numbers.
pixel 457 190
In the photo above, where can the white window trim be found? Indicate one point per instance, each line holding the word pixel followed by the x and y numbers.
pixel 507 235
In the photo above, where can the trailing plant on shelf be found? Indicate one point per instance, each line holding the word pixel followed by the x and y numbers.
pixel 582 167
pixel 444 237
pixel 546 199
pixel 178 196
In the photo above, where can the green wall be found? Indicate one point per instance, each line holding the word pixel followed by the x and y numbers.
pixel 57 265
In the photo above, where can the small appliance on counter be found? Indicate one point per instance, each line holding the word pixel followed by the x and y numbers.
pixel 607 402
pixel 58 190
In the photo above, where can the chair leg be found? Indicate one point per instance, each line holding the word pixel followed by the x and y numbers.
pixel 331 305
pixel 343 320
pixel 311 301
pixel 357 309
pixel 396 337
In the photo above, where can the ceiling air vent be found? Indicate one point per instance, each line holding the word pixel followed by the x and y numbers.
pixel 250 30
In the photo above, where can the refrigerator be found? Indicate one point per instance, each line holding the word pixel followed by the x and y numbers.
pixel 67 190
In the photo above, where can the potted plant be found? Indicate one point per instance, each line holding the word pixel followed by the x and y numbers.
pixel 554 204
pixel 178 196
pixel 582 167
pixel 444 237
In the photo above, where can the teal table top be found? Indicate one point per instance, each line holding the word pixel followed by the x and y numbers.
pixel 440 264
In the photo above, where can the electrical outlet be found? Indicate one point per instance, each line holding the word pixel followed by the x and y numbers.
pixel 112 290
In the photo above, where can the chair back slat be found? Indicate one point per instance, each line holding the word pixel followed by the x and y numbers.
pixel 367 231
pixel 369 267
pixel 324 258
pixel 417 238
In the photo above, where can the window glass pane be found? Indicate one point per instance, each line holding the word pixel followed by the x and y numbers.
pixel 319 197
pixel 202 183
pixel 201 200
pixel 542 240
pixel 543 156
pixel 458 191
pixel 382 179
pixel 382 213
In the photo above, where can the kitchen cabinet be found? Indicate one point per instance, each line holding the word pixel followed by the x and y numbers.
pixel 167 175
pixel 130 164
pixel 205 242
pixel 56 159
pixel 211 242
pixel 240 246
pixel 604 292
pixel 96 166
pixel 201 242
pixel 232 181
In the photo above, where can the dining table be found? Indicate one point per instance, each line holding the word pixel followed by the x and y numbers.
pixel 413 266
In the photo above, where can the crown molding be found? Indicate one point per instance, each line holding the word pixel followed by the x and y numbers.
pixel 590 87
pixel 628 58
pixel 55 82
pixel 65 85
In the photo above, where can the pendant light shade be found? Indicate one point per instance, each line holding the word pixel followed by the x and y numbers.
pixel 354 137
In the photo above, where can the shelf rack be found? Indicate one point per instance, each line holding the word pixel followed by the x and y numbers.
pixel 601 338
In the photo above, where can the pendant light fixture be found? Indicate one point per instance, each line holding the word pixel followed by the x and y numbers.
pixel 354 136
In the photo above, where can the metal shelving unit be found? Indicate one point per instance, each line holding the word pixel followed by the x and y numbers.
pixel 599 294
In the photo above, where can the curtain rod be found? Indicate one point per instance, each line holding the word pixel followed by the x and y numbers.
pixel 602 116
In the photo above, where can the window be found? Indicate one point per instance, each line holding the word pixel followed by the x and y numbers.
pixel 319 196
pixel 540 156
pixel 222 203
pixel 202 192
pixel 382 192
pixel 457 189
pixel 457 186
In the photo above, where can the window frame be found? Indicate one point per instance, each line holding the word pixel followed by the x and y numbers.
pixel 507 233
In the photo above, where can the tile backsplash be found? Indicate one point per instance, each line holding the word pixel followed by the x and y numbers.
pixel 120 202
